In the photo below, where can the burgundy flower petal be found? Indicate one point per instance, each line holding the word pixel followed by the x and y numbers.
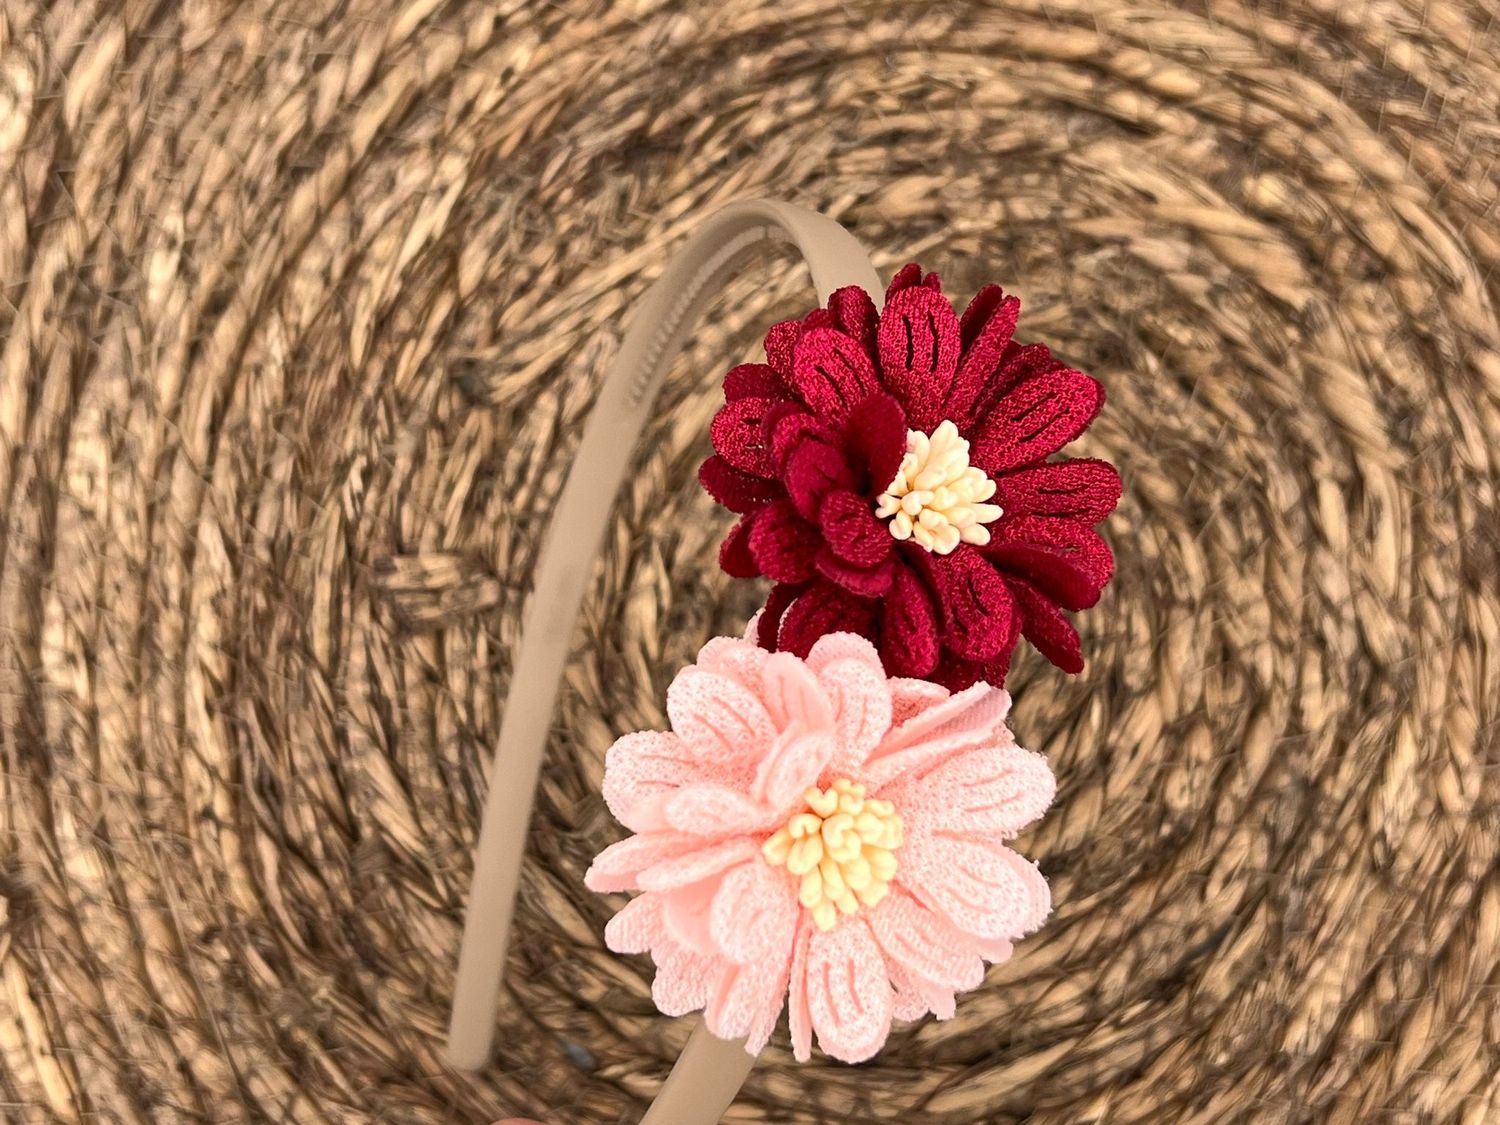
pixel 783 543
pixel 821 609
pixel 788 426
pixel 818 318
pixel 736 490
pixel 908 627
pixel 813 470
pixel 955 673
pixel 738 433
pixel 781 341
pixel 781 596
pixel 976 374
pixel 832 373
pixel 1082 489
pixel 735 558
pixel 1036 419
pixel 918 340
pixel 1064 559
pixel 907 276
pixel 851 530
pixel 1018 364
pixel 977 608
pixel 754 380
pixel 875 439
pixel 1045 627
pixel 864 581
pixel 978 313
pixel 855 315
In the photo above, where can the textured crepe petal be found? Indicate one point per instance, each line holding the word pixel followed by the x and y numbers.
pixel 1035 420
pixel 1065 560
pixel 995 790
pixel 832 373
pixel 983 889
pixel 849 994
pixel 1082 489
pixel 918 341
pixel 755 913
pixel 717 716
pixel 783 544
pixel 737 490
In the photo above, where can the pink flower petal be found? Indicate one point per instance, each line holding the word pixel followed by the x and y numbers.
pixel 994 791
pixel 684 980
pixel 713 811
pixel 832 373
pixel 749 999
pixel 1082 489
pixel 642 770
pixel 908 627
pixel 862 709
pixel 798 1019
pixel 638 926
pixel 909 698
pixel 834 647
pixel 849 995
pixel 793 763
pixel 918 340
pixel 739 659
pixel 979 708
pixel 915 937
pixel 755 913
pixel 983 889
pixel 910 1003
pixel 767 980
pixel 685 915
pixel 718 717
pixel 792 694
pixel 619 866
pixel 884 770
pixel 1035 420
pixel 703 861
pixel 996 951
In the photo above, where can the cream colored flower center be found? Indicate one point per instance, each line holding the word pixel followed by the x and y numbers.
pixel 842 848
pixel 937 498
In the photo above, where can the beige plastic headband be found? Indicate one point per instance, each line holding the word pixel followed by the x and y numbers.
pixel 710 1071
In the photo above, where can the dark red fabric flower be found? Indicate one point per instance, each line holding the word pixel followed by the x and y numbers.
pixel 893 476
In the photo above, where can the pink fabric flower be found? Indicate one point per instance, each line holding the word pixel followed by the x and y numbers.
pixel 815 832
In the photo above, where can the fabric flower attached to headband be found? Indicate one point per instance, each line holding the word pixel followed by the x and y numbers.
pixel 817 833
pixel 893 474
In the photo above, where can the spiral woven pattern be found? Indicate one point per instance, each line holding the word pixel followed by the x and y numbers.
pixel 303 307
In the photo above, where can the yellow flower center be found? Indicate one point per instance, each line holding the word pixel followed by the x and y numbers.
pixel 937 498
pixel 842 847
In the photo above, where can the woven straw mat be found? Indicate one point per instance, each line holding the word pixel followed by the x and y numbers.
pixel 304 305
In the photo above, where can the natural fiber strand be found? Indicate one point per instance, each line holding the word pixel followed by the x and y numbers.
pixel 303 307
